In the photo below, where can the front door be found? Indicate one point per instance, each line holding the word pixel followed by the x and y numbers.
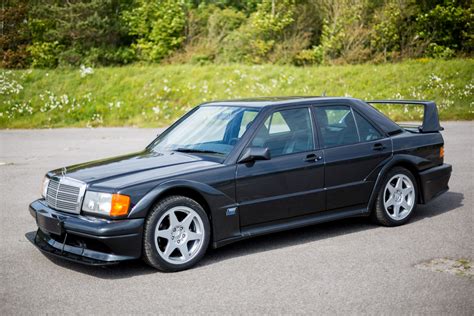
pixel 291 183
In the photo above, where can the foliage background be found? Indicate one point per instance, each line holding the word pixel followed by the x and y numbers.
pixel 144 63
pixel 51 33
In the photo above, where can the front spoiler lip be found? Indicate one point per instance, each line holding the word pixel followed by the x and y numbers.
pixel 123 238
pixel 43 243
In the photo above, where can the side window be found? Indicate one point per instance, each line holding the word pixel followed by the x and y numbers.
pixel 367 131
pixel 336 125
pixel 286 132
pixel 277 124
pixel 247 118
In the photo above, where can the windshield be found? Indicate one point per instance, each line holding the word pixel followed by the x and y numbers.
pixel 209 129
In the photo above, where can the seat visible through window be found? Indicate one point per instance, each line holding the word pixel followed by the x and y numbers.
pixel 336 125
pixel 286 132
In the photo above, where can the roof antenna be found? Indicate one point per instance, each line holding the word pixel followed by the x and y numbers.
pixel 324 93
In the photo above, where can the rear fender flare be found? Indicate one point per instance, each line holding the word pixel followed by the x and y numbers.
pixel 413 163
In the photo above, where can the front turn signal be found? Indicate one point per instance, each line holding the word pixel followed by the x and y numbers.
pixel 441 152
pixel 120 204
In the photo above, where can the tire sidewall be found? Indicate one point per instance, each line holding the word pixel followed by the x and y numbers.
pixel 151 253
pixel 380 200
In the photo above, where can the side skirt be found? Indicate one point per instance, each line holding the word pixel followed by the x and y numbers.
pixel 292 223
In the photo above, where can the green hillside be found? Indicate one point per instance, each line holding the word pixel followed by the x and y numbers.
pixel 149 96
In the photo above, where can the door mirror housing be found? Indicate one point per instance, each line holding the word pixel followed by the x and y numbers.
pixel 255 153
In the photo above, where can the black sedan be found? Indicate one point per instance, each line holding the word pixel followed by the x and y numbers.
pixel 230 170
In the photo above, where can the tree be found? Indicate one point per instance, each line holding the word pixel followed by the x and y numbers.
pixel 81 29
pixel 158 27
pixel 14 36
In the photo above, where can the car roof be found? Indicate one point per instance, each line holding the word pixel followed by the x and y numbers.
pixel 272 101
pixel 386 124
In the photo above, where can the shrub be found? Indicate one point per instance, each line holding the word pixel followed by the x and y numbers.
pixel 158 26
pixel 44 54
pixel 222 22
pixel 446 26
pixel 313 56
pixel 438 51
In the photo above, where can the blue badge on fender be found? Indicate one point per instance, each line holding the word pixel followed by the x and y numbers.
pixel 231 211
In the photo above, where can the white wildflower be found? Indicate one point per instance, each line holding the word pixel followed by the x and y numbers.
pixel 156 110
pixel 85 71
pixel 9 85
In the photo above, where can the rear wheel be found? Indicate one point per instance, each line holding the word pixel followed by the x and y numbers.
pixel 176 234
pixel 397 198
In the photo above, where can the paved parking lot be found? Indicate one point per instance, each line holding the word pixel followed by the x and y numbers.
pixel 349 266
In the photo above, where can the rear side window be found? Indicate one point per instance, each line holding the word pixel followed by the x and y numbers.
pixel 336 125
pixel 367 131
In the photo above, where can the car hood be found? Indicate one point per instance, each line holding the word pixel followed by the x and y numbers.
pixel 145 165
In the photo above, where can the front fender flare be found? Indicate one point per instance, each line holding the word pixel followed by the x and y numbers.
pixel 223 226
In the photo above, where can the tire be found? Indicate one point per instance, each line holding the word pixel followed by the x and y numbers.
pixel 396 201
pixel 176 234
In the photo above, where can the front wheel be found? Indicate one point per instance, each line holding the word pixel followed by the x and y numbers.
pixel 397 198
pixel 176 234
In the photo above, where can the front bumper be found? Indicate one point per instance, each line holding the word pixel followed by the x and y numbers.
pixel 86 239
pixel 434 181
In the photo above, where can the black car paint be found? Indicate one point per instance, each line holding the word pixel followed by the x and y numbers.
pixel 270 195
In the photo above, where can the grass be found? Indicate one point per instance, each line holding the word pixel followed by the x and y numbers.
pixel 154 95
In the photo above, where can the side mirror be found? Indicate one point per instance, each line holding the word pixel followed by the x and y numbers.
pixel 255 153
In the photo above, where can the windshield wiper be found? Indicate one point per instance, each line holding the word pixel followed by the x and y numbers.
pixel 200 151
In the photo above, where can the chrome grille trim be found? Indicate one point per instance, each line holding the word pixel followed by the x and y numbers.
pixel 65 194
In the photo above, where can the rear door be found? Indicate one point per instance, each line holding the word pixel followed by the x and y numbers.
pixel 353 148
pixel 291 183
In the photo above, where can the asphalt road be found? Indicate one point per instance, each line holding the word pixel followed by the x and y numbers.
pixel 349 266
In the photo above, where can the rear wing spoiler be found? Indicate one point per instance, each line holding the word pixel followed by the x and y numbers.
pixel 430 116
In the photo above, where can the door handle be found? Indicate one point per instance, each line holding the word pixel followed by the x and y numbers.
pixel 378 146
pixel 313 158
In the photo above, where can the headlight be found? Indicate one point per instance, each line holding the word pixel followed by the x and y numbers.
pixel 44 188
pixel 106 203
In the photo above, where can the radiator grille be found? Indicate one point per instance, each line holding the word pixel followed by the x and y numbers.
pixel 65 195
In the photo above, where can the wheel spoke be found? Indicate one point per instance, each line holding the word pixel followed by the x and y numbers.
pixel 399 183
pixel 396 210
pixel 183 249
pixel 165 233
pixel 173 219
pixel 187 221
pixel 407 191
pixel 170 247
pixel 194 236
pixel 389 202
pixel 390 188
pixel 405 205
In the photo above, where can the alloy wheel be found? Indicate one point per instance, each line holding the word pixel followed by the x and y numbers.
pixel 399 197
pixel 179 235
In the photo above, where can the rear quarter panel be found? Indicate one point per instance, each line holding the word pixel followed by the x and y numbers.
pixel 424 146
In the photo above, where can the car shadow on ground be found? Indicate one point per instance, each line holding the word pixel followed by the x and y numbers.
pixel 447 202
